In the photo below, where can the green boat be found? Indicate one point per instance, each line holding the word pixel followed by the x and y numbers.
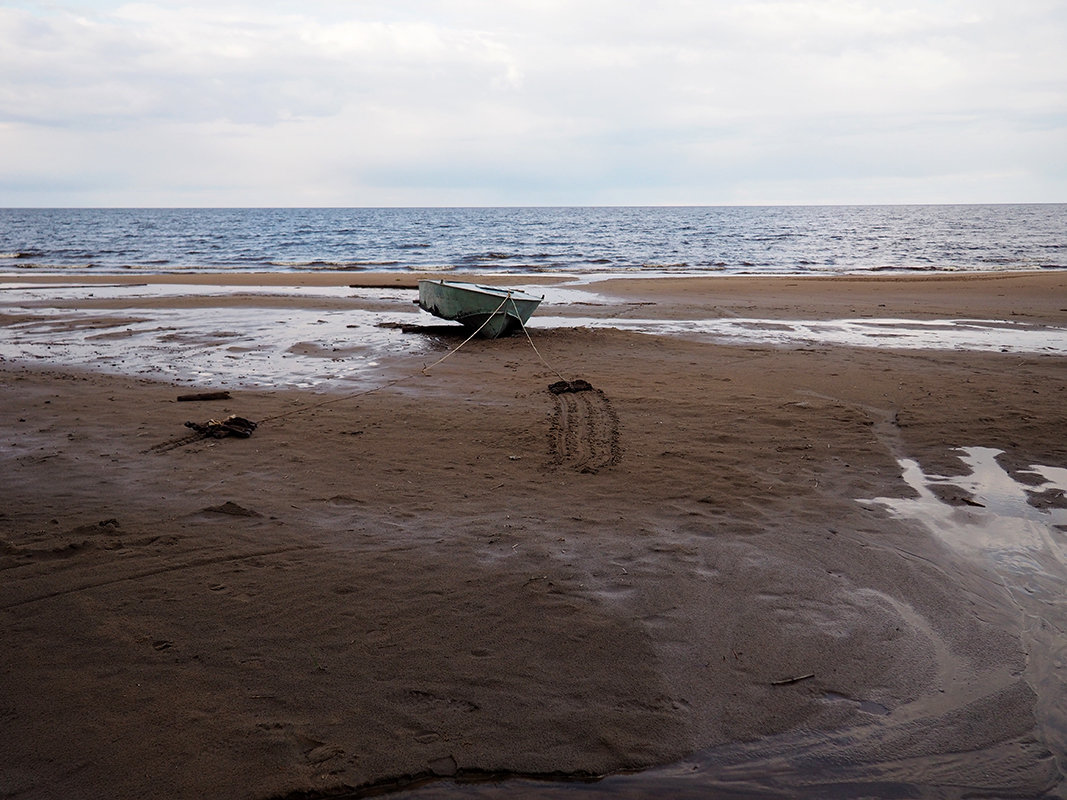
pixel 492 311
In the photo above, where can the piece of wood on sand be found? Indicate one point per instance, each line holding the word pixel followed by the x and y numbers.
pixel 189 398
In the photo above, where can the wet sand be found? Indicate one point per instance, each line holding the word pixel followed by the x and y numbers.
pixel 460 574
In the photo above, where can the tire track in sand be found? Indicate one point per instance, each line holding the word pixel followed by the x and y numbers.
pixel 585 431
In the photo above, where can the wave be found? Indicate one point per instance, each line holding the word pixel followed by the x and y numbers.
pixel 911 268
pixel 684 240
pixel 332 265
pixel 474 258
pixel 38 266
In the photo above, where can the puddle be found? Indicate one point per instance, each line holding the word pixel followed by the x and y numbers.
pixel 957 334
pixel 1017 525
pixel 250 347
pixel 1020 526
pixel 312 336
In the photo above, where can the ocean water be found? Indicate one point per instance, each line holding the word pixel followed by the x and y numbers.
pixel 682 240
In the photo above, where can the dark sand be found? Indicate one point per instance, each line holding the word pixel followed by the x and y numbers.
pixel 462 573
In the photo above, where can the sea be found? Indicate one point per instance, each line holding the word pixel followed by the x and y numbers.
pixel 688 240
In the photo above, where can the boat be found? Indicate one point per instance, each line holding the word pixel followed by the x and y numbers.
pixel 490 311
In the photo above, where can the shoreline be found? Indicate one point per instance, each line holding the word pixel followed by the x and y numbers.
pixel 410 277
pixel 1040 295
pixel 465 574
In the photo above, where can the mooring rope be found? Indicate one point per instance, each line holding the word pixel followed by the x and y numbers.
pixel 395 381
pixel 538 352
pixel 450 353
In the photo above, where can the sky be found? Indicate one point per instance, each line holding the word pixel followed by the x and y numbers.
pixel 531 102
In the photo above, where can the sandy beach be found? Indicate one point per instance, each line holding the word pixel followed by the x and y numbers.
pixel 781 567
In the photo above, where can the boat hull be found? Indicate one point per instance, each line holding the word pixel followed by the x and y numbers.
pixel 489 310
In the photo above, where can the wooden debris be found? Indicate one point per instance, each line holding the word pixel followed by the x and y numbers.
pixel 212 429
pixel 187 398
pixel 789 681
pixel 233 425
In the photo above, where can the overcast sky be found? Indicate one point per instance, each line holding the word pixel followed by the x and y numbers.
pixel 531 102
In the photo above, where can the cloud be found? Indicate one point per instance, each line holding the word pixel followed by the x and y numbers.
pixel 411 101
pixel 144 61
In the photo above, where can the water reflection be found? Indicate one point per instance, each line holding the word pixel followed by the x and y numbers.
pixel 247 347
pixel 331 337
pixel 1017 523
pixel 947 334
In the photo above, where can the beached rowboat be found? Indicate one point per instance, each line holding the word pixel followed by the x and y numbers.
pixel 490 310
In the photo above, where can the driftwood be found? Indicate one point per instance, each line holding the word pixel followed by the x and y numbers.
pixel 217 429
pixel 212 429
pixel 187 398
pixel 790 681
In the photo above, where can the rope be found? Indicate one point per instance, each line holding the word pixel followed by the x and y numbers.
pixel 311 406
pixel 395 381
pixel 487 319
pixel 538 352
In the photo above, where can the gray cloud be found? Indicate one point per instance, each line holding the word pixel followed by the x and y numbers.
pixel 586 101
